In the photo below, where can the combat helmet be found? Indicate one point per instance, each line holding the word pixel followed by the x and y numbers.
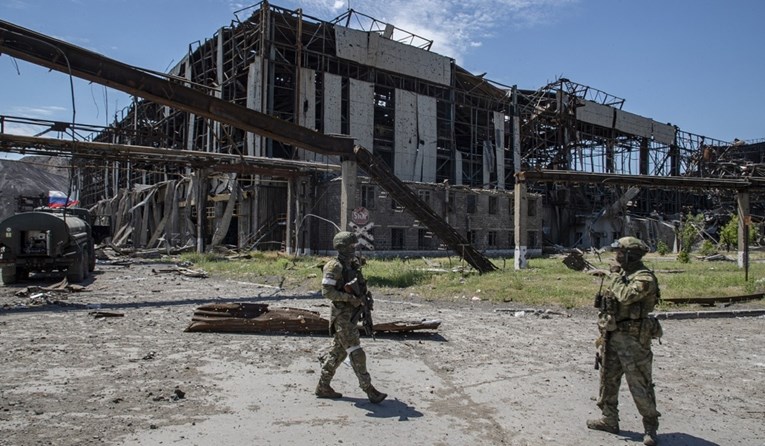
pixel 633 246
pixel 631 243
pixel 344 240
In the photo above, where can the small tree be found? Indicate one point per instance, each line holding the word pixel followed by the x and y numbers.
pixel 729 233
pixel 662 248
pixel 707 248
pixel 683 257
pixel 689 233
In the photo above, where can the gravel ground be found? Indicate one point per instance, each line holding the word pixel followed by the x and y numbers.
pixel 492 374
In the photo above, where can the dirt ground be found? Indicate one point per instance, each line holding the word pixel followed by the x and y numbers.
pixel 492 374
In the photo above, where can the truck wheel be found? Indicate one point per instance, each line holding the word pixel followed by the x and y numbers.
pixel 9 275
pixel 86 269
pixel 92 259
pixel 76 272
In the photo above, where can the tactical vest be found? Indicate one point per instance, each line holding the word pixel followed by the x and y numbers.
pixel 625 285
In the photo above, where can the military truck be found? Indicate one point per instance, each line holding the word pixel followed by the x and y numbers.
pixel 47 240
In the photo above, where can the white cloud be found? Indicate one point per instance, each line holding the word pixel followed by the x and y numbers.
pixel 38 112
pixel 15 4
pixel 454 26
pixel 14 128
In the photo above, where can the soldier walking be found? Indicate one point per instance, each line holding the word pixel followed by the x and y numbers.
pixel 342 325
pixel 625 343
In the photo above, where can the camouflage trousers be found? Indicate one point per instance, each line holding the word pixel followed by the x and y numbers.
pixel 628 354
pixel 346 339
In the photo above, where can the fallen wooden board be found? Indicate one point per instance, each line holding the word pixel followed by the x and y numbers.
pixel 258 318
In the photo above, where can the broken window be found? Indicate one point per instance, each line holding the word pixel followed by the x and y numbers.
pixel 424 196
pixel 491 239
pixel 492 205
pixel 532 241
pixel 368 196
pixel 397 238
pixel 470 199
pixel 423 239
pixel 532 211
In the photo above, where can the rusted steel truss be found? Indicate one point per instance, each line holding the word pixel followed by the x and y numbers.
pixel 61 56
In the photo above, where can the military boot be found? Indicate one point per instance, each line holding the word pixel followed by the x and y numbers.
pixel 374 395
pixel 604 424
pixel 650 438
pixel 324 390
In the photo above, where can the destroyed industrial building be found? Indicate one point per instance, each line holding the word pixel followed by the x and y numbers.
pixel 496 168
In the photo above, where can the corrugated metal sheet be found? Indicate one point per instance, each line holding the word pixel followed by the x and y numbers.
pixel 255 102
pixel 633 124
pixel 630 123
pixel 458 168
pixel 664 133
pixel 377 51
pixel 306 110
pixel 405 134
pixel 499 141
pixel 425 165
pixel 332 103
pixel 362 113
pixel 597 114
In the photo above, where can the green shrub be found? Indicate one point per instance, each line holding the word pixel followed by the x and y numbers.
pixel 729 234
pixel 707 248
pixel 662 248
pixel 683 257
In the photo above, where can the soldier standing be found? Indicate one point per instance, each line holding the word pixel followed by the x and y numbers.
pixel 625 342
pixel 342 326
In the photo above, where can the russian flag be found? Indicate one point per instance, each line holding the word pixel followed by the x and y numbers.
pixel 58 199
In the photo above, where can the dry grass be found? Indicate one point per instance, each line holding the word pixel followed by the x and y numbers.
pixel 546 281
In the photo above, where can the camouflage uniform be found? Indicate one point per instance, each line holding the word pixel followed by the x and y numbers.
pixel 336 273
pixel 625 342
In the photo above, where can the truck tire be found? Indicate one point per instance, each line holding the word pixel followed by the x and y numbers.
pixel 9 275
pixel 86 264
pixel 92 259
pixel 76 272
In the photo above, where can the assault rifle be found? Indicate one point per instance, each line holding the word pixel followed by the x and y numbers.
pixel 606 306
pixel 363 313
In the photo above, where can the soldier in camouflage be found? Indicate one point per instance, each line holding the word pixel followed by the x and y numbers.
pixel 625 342
pixel 345 332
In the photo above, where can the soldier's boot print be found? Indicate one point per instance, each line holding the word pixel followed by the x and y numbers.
pixel 374 395
pixel 604 424
pixel 650 425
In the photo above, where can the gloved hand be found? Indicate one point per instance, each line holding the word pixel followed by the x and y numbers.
pixel 355 301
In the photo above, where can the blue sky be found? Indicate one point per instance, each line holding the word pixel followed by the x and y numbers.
pixel 698 64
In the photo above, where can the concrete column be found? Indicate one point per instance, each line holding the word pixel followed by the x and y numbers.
pixel 201 208
pixel 520 217
pixel 521 204
pixel 290 216
pixel 743 228
pixel 348 187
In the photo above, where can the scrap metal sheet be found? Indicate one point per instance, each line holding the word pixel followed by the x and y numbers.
pixel 260 318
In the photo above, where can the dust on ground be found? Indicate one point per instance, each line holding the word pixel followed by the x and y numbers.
pixel 492 374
